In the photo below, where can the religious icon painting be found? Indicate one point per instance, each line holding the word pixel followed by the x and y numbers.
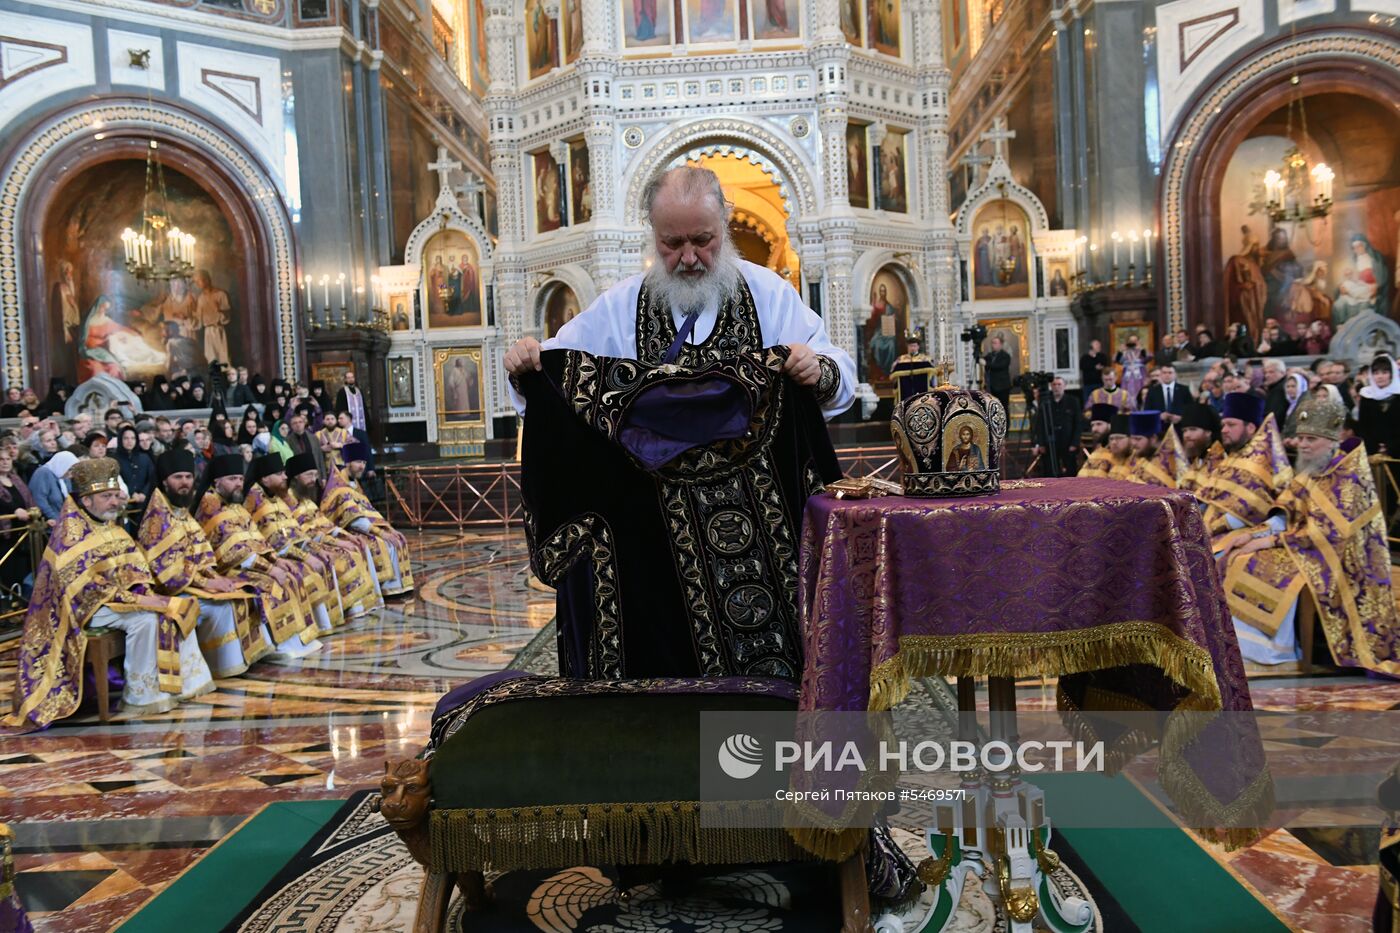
pixel 1014 334
pixel 332 374
pixel 580 183
pixel 884 329
pixel 852 20
pixel 560 307
pixel 1119 332
pixel 400 382
pixel 884 26
pixel 857 165
pixel 646 24
pixel 711 21
pixel 965 443
pixel 458 378
pixel 892 180
pixel 1001 252
pixel 775 20
pixel 452 280
pixel 541 39
pixel 573 29
pixel 548 197
pixel 401 311
pixel 481 69
pixel 1057 278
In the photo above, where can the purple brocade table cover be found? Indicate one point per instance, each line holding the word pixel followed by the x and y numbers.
pixel 1109 586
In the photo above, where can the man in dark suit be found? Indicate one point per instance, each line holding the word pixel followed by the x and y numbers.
pixel 1063 411
pixel 999 373
pixel 1168 396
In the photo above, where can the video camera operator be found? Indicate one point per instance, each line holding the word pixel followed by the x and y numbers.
pixel 1057 424
pixel 998 363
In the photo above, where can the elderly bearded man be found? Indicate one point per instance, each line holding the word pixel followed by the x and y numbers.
pixel 352 586
pixel 230 634
pixel 94 576
pixel 1325 541
pixel 346 504
pixel 240 549
pixel 304 498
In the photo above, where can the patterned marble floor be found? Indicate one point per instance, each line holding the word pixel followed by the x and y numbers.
pixel 108 815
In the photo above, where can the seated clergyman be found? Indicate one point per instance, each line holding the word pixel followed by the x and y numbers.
pixel 1200 442
pixel 346 504
pixel 1114 460
pixel 240 549
pixel 1324 540
pixel 270 501
pixel 94 575
pixel 1240 491
pixel 230 628
pixel 304 496
pixel 1158 459
pixel 262 489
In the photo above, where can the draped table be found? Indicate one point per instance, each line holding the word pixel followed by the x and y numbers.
pixel 1109 586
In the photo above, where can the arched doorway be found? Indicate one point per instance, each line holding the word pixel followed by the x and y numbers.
pixel 758 223
pixel 1244 105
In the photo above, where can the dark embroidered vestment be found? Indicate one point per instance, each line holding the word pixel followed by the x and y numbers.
pixel 689 569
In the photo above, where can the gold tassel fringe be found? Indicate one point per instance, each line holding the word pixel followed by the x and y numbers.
pixel 608 834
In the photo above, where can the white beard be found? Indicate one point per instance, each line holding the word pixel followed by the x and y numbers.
pixel 1306 465
pixel 712 288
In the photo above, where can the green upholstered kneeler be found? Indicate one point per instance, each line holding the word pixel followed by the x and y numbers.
pixel 551 782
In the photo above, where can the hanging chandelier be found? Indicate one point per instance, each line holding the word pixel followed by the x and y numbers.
pixel 159 251
pixel 1296 191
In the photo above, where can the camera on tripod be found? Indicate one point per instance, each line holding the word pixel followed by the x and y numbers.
pixel 1028 382
pixel 975 333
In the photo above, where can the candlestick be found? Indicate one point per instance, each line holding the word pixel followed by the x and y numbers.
pixel 1093 256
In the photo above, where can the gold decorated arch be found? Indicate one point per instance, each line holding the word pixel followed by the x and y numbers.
pixel 759 216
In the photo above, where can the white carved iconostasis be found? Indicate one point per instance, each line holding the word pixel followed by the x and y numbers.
pixel 1017 275
pixel 443 341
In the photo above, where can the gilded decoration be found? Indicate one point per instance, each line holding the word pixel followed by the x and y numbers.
pixel 259 191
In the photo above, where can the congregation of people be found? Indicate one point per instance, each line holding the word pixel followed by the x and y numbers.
pixel 1282 463
pixel 211 546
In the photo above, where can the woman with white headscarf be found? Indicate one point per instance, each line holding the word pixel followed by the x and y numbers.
pixel 1294 389
pixel 49 485
pixel 1378 410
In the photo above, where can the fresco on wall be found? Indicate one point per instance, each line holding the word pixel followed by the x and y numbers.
pixel 573 30
pixel 100 319
pixel 481 69
pixel 645 23
pixel 893 187
pixel 452 276
pixel 560 307
pixel 1000 252
pixel 883 31
pixel 1316 275
pixel 857 165
pixel 541 39
pixel 548 197
pixel 711 21
pixel 884 330
pixel 776 19
pixel 580 183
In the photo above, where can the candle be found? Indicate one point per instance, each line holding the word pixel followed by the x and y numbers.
pixel 1147 250
pixel 307 280
pixel 1117 238
pixel 326 291
pixel 341 280
pixel 1132 248
pixel 1093 254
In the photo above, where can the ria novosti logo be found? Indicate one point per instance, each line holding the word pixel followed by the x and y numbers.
pixel 740 756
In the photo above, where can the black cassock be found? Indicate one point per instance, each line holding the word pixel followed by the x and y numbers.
pixel 687 568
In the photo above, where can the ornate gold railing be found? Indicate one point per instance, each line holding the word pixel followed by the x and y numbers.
pixel 485 495
pixel 22 545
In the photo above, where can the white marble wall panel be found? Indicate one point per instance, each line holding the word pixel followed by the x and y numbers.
pixel 242 90
pixel 120 45
pixel 1194 38
pixel 1388 7
pixel 40 58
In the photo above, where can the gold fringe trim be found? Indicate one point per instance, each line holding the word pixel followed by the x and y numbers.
pixel 608 834
pixel 829 845
pixel 1044 654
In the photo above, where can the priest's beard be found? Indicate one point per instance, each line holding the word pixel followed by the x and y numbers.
pixel 305 492
pixel 1309 464
pixel 181 500
pixel 674 290
pixel 232 498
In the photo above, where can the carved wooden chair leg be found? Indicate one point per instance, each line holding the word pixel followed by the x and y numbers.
pixel 855 895
pixel 432 904
pixel 1307 625
pixel 475 894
